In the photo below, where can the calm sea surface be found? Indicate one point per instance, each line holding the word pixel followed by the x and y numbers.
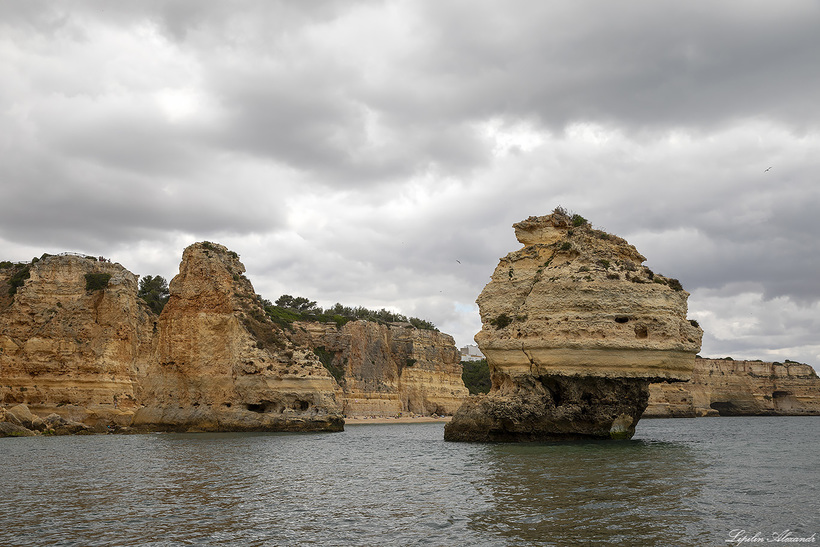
pixel 678 482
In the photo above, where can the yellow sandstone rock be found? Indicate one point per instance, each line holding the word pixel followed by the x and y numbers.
pixel 726 387
pixel 388 370
pixel 75 340
pixel 574 328
pixel 221 364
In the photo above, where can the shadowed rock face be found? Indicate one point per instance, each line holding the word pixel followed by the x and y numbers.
pixel 574 329
pixel 554 407
pixel 385 370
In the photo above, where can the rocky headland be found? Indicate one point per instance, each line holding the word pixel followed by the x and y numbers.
pixel 80 351
pixel 73 338
pixel 77 343
pixel 574 329
pixel 728 387
pixel 222 365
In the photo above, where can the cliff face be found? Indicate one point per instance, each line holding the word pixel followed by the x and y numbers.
pixel 63 346
pixel 738 388
pixel 386 370
pixel 222 365
pixel 210 361
pixel 574 328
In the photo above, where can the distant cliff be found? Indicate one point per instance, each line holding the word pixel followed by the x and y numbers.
pixel 725 387
pixel 385 370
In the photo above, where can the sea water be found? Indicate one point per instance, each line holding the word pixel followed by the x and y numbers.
pixel 707 481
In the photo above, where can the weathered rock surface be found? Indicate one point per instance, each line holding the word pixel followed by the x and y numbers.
pixel 574 329
pixel 63 344
pixel 386 370
pixel 18 421
pixel 723 387
pixel 222 365
pixel 211 361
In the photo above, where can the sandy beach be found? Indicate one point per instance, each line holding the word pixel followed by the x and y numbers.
pixel 359 420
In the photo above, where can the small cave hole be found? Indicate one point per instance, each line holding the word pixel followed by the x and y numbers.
pixel 641 331
pixel 622 319
pixel 255 407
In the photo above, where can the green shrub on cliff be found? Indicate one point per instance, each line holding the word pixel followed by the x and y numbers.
pixel 288 309
pixel 18 279
pixel 501 321
pixel 96 281
pixel 154 290
pixel 326 358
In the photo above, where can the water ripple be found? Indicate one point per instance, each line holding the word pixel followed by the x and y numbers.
pixel 681 482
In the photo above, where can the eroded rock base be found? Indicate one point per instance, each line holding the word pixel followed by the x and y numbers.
pixel 550 408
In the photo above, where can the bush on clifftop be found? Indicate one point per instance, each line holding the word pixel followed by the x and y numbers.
pixel 96 281
pixel 288 309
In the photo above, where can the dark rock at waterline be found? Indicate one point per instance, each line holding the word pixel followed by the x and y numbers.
pixel 9 429
pixel 552 408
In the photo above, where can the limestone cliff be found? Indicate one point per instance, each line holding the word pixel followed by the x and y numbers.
pixel 222 365
pixel 738 388
pixel 574 328
pixel 385 370
pixel 76 340
pixel 73 345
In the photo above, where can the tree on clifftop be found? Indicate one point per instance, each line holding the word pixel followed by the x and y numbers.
pixel 154 290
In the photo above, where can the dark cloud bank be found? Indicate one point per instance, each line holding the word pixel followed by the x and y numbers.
pixel 377 153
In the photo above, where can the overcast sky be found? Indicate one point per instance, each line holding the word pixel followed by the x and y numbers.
pixel 376 153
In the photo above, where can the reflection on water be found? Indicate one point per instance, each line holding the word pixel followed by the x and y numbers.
pixel 681 482
pixel 633 491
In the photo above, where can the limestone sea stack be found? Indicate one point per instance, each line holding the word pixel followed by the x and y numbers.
pixel 222 365
pixel 574 329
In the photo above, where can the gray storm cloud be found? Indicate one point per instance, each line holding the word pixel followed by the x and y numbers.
pixel 376 153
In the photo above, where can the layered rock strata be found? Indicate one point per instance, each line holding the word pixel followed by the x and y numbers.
pixel 388 370
pixel 221 364
pixel 75 340
pixel 574 329
pixel 725 387
pixel 71 345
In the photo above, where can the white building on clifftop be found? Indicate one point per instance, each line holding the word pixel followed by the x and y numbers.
pixel 471 353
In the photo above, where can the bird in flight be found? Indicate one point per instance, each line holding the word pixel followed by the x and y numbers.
pixel 459 261
pixel 766 170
